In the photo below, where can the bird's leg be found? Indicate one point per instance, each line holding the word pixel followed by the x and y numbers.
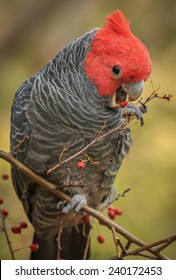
pixel 134 110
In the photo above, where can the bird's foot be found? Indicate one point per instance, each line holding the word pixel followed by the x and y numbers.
pixel 134 110
pixel 76 203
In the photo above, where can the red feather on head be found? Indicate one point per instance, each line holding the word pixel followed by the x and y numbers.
pixel 114 44
pixel 118 23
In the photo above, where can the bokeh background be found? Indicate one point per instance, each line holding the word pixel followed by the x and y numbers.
pixel 31 33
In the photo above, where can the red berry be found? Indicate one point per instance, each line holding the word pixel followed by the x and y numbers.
pixel 111 214
pixel 85 219
pixel 81 165
pixel 5 212
pixel 111 208
pixel 5 176
pixel 123 104
pixel 101 239
pixel 118 211
pixel 16 229
pixel 23 225
pixel 1 200
pixel 34 247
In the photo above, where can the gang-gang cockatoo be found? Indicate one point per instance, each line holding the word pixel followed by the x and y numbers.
pixel 61 109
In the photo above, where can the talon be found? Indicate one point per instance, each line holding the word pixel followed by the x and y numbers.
pixel 61 204
pixel 134 110
pixel 141 121
pixel 77 202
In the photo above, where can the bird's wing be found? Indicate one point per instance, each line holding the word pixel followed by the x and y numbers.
pixel 19 131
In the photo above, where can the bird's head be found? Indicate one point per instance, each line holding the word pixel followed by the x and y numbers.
pixel 118 63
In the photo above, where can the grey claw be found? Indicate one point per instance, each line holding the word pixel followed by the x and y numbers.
pixel 134 110
pixel 77 202
pixel 61 205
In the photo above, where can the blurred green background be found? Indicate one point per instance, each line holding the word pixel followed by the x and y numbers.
pixel 31 33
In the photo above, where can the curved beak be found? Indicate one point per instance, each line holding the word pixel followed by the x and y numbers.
pixel 133 90
pixel 129 92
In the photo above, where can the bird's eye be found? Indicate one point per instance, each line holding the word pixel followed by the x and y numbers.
pixel 116 70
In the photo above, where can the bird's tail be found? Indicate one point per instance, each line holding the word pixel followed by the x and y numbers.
pixel 73 242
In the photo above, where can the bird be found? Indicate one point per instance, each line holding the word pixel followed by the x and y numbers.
pixel 86 91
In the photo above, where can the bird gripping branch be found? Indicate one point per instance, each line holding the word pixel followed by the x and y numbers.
pixel 89 85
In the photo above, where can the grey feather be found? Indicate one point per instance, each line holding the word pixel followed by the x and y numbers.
pixel 59 107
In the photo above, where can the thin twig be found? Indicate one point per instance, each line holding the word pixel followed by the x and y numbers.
pixel 123 193
pixel 89 159
pixel 118 243
pixel 59 249
pixel 20 144
pixel 166 242
pixel 154 95
pixel 153 245
pixel 96 139
pixel 122 248
pixel 21 248
pixel 4 229
pixel 115 241
pixel 128 244
pixel 61 155
pixel 87 244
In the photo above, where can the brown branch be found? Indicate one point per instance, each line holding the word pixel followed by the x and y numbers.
pixel 98 215
pixel 34 177
pixel 147 256
pixel 167 241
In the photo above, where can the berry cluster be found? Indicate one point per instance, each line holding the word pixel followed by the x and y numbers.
pixel 113 212
pixel 16 229
pixel 4 211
